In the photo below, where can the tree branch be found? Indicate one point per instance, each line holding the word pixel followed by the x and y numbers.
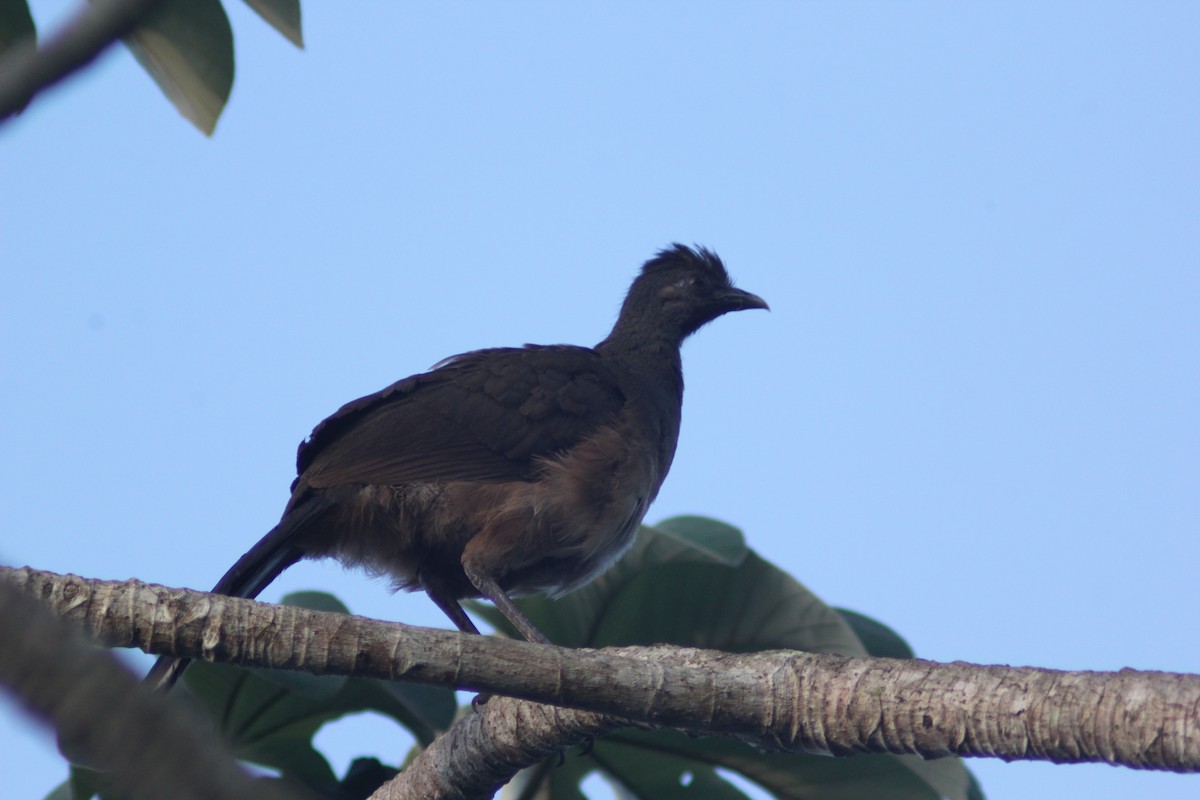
pixel 27 71
pixel 150 747
pixel 781 700
pixel 484 750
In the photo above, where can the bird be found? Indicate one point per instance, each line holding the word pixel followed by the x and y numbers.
pixel 500 472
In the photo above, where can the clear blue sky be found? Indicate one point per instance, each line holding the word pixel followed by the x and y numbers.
pixel 974 411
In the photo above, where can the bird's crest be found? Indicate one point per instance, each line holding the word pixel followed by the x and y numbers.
pixel 681 256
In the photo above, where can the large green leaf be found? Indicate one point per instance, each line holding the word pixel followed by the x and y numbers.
pixel 16 25
pixel 283 16
pixel 560 777
pixel 187 47
pixel 315 601
pixel 692 582
pixel 424 710
pixel 649 772
pixel 798 776
pixel 81 784
pixel 265 722
pixel 880 640
pixel 271 716
pixel 725 542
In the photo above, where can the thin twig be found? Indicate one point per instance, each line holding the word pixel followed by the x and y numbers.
pixel 25 72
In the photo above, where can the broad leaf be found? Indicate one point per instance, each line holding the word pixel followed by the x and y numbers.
pixel 283 16
pixel 315 601
pixel 799 776
pixel 721 539
pixel 648 772
pixel 880 640
pixel 271 716
pixel 691 581
pixel 81 784
pixel 16 25
pixel 563 778
pixel 187 47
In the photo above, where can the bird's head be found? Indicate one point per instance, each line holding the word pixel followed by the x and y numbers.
pixel 681 289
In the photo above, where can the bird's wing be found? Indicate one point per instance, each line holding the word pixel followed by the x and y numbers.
pixel 488 415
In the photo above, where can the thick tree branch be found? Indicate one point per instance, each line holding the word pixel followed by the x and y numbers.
pixel 95 27
pixel 784 700
pixel 482 751
pixel 150 747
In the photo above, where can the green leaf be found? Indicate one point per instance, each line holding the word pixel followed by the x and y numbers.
pixel 692 582
pixel 880 640
pixel 270 716
pixel 264 722
pixel 269 719
pixel 724 541
pixel 81 784
pixel 187 47
pixel 16 25
pixel 424 710
pixel 363 777
pixel 655 775
pixel 685 589
pixel 62 792
pixel 86 783
pixel 283 16
pixel 787 775
pixel 562 779
pixel 975 791
pixel 316 601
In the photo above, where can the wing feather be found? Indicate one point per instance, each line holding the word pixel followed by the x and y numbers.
pixel 490 415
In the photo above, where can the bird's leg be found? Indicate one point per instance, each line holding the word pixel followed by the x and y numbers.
pixel 165 672
pixel 489 588
pixel 449 605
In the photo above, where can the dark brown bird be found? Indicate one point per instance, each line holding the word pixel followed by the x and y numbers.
pixel 500 472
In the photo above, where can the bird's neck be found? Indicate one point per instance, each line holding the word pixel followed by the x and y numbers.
pixel 642 346
pixel 636 336
pixel 650 369
pixel 654 359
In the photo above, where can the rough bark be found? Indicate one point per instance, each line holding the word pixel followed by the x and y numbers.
pixel 780 700
pixel 150 748
pixel 484 749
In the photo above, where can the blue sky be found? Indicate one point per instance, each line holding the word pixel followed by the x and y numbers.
pixel 973 410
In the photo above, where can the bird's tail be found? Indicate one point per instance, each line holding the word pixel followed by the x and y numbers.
pixel 252 573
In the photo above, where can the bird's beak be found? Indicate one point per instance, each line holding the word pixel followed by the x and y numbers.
pixel 738 300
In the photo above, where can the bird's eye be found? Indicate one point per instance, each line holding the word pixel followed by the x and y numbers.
pixel 685 287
